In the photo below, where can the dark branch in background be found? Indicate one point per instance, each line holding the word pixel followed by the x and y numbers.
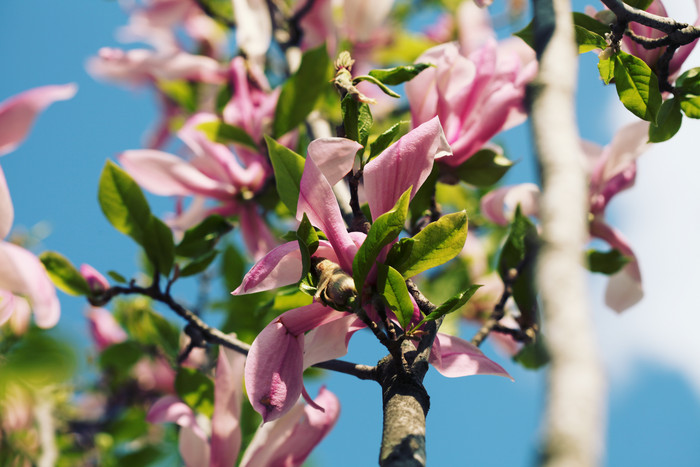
pixel 359 221
pixel 199 331
pixel 206 8
pixel 677 34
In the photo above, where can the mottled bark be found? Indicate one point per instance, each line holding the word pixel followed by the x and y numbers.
pixel 574 417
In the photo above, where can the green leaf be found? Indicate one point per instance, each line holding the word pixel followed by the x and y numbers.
pixel 392 287
pixel 639 4
pixel 63 274
pixel 452 304
pixel 117 277
pixel 399 74
pixel 590 33
pixel 308 243
pixel 425 196
pixel 121 357
pixel 196 390
pixel 373 80
pixel 637 86
pixel 689 82
pixel 148 327
pixel 224 133
pixel 288 167
pixel 357 119
pixel 203 237
pixel 608 262
pixel 159 246
pixel 437 243
pixel 182 92
pixel 300 92
pixel 691 107
pixel 606 66
pixel 199 264
pixel 384 140
pixel 533 356
pixel 484 168
pixel 668 121
pixel 122 202
pixel 519 253
pixel 384 230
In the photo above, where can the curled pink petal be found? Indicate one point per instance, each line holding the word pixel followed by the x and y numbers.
pixel 104 328
pixel 167 175
pixel 23 274
pixel 273 371
pixel 330 340
pixel 499 205
pixel 7 211
pixel 409 160
pixel 454 357
pixel 282 266
pixel 289 440
pixel 333 156
pixel 225 423
pixel 317 201
pixel 17 114
pixel 96 281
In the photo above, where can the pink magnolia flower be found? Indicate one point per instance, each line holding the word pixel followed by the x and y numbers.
pixel 477 88
pixel 286 441
pixel 96 281
pixel 612 169
pixel 651 56
pixel 279 353
pixel 104 329
pixel 213 172
pixel 24 283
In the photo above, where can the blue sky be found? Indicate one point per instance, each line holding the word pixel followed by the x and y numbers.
pixel 654 416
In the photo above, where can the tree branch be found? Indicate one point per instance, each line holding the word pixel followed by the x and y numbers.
pixel 574 422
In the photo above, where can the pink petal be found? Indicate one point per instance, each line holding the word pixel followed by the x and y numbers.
pixel 333 156
pixel 330 340
pixel 499 205
pixel 273 371
pixel 193 442
pixel 104 328
pixel 318 26
pixel 225 423
pixel 317 200
pixel 23 274
pixel 7 305
pixel 454 357
pixel 7 211
pixel 96 281
pixel 624 287
pixel 474 26
pixel 289 440
pixel 627 145
pixel 421 91
pixel 17 113
pixel 364 17
pixel 167 175
pixel 256 234
pixel 409 160
pixel 300 320
pixel 282 266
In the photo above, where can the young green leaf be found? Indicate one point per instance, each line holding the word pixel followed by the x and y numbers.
pixel 300 93
pixel 384 140
pixel 202 238
pixel 437 243
pixel 392 287
pixel 691 106
pixel 606 66
pixel 399 74
pixel 590 33
pixel 639 4
pixel 484 168
pixel 637 86
pixel 158 245
pixel 63 274
pixel 357 119
pixel 196 390
pixel 199 264
pixel 288 167
pixel 224 133
pixel 533 355
pixel 373 80
pixel 689 82
pixel 608 262
pixel 308 243
pixel 384 230
pixel 668 121
pixel 454 303
pixel 117 277
pixel 122 202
